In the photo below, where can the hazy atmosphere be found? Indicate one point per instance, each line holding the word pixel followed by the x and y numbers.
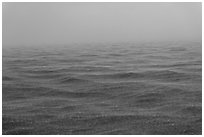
pixel 102 69
pixel 62 23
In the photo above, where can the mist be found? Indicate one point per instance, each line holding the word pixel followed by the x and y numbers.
pixel 102 69
pixel 64 23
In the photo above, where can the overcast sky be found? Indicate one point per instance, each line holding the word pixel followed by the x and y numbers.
pixel 62 23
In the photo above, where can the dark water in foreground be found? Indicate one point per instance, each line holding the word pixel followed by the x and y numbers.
pixel 107 89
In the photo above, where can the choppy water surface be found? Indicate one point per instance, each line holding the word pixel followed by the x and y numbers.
pixel 108 89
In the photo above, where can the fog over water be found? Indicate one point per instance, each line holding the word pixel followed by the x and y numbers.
pixel 102 68
pixel 63 23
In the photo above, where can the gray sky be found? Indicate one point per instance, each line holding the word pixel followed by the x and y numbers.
pixel 62 23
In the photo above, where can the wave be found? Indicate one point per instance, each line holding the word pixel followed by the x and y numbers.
pixel 191 110
pixel 179 49
pixel 7 78
pixel 42 71
pixel 89 55
pixel 72 94
pixel 71 80
pixel 167 75
pixel 179 64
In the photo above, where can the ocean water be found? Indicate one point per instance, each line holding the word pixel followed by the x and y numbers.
pixel 149 88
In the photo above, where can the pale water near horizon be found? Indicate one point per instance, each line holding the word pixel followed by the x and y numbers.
pixel 109 89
